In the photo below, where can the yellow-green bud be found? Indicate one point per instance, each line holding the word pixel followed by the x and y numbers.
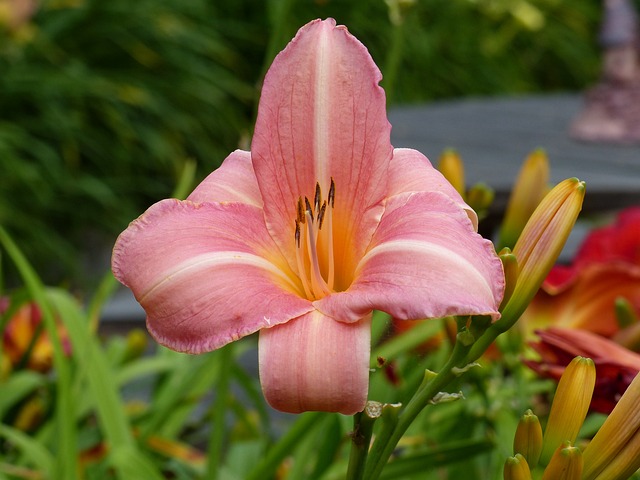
pixel 614 452
pixel 516 468
pixel 510 267
pixel 451 166
pixel 542 240
pixel 480 196
pixel 566 464
pixel 528 191
pixel 528 438
pixel 570 405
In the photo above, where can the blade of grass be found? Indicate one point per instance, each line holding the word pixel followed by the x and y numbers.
pixel 17 386
pixel 36 452
pixel 67 456
pixel 302 427
pixel 219 412
pixel 102 385
pixel 437 457
pixel 192 377
pixel 407 340
pixel 107 286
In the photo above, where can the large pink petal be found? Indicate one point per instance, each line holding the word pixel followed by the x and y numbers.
pixel 316 363
pixel 425 261
pixel 233 181
pixel 411 171
pixel 321 116
pixel 206 274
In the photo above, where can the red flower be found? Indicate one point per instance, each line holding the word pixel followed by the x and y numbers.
pixel 613 244
pixel 616 366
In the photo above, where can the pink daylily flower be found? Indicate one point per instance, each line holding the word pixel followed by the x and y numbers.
pixel 301 238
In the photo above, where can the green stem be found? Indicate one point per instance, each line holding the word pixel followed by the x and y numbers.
pixel 360 441
pixel 285 445
pixel 386 442
pixel 489 336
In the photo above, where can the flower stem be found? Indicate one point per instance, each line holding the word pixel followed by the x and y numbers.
pixel 489 336
pixel 386 441
pixel 360 441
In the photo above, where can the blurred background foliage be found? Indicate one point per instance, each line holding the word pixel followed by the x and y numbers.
pixel 103 104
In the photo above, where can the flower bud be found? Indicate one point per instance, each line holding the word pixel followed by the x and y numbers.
pixel 452 168
pixel 136 344
pixel 566 464
pixel 570 405
pixel 528 191
pixel 479 197
pixel 516 468
pixel 528 438
pixel 615 449
pixel 542 240
pixel 510 267
pixel 625 313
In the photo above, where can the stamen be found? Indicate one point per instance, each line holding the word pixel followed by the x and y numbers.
pixel 308 208
pixel 332 269
pixel 300 211
pixel 297 234
pixel 302 271
pixel 332 193
pixel 309 220
pixel 321 214
pixel 317 197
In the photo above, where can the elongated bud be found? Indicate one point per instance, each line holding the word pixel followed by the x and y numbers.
pixel 528 191
pixel 510 267
pixel 570 405
pixel 614 452
pixel 516 468
pixel 528 438
pixel 542 240
pixel 452 168
pixel 566 464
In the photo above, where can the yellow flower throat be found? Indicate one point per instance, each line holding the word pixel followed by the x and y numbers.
pixel 309 221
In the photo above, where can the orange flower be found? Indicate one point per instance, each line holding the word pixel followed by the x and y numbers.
pixel 589 303
pixel 25 340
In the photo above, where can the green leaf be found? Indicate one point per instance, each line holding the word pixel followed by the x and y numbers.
pixel 17 386
pixel 436 457
pixel 66 460
pixel 35 452
pixel 94 365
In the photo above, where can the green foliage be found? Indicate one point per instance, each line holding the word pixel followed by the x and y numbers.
pixel 103 103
